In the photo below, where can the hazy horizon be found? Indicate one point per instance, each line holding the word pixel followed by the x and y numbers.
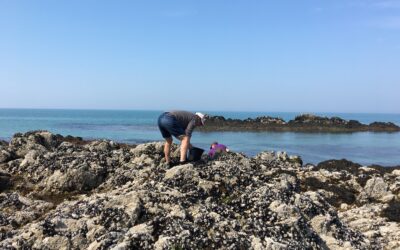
pixel 288 56
pixel 199 110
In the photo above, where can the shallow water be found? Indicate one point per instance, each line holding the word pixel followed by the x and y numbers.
pixel 140 126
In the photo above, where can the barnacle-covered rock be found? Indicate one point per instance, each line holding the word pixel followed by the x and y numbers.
pixel 67 193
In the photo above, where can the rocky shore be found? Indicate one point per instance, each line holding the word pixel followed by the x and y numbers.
pixel 65 193
pixel 302 123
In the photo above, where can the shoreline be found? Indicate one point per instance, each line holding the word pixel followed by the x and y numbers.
pixel 314 158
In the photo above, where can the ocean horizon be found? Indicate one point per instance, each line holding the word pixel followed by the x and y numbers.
pixel 139 126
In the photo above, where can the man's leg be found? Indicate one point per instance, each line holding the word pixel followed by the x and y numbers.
pixel 167 149
pixel 185 142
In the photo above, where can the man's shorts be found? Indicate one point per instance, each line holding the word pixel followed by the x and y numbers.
pixel 168 126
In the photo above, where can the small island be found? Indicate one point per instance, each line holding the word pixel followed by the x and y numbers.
pixel 302 123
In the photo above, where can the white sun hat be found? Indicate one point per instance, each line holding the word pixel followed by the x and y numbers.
pixel 202 117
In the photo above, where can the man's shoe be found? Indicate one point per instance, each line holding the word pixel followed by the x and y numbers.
pixel 170 164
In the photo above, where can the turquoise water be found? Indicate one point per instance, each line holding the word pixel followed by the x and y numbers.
pixel 140 126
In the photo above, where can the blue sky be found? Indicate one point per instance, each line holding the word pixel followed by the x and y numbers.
pixel 300 56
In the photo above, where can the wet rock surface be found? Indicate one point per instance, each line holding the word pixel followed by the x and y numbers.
pixel 66 193
pixel 302 123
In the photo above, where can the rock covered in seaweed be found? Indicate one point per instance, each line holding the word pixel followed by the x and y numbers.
pixel 72 194
pixel 301 123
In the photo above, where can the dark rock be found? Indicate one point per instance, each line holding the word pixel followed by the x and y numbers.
pixel 301 123
pixel 267 120
pixel 6 156
pixel 339 165
pixel 317 120
pixel 353 124
pixel 75 140
pixel 215 118
pixel 3 143
pixel 386 126
pixel 5 181
pixel 392 212
pixel 340 194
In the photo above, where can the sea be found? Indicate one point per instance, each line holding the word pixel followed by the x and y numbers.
pixel 140 126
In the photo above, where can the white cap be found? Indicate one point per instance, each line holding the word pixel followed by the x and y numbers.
pixel 202 117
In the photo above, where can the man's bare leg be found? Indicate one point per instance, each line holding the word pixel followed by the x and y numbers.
pixel 167 149
pixel 185 142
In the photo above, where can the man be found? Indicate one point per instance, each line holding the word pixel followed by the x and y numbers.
pixel 179 124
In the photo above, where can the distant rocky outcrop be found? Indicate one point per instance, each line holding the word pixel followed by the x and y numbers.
pixel 66 193
pixel 302 123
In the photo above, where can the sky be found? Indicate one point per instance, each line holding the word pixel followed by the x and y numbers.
pixel 236 55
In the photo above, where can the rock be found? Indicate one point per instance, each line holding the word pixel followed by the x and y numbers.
pixel 5 180
pixel 266 156
pixel 344 207
pixel 17 210
pixel 388 198
pixel 82 179
pixel 29 158
pixel 392 211
pixel 267 120
pixel 55 242
pixel 40 141
pixel 272 244
pixel 281 209
pixel 396 172
pixel 5 156
pixel 3 143
pixel 48 139
pixel 148 149
pixel 387 126
pixel 186 169
pixel 75 194
pixel 162 243
pixel 376 188
pixel 282 156
pixel 103 146
pixel 301 123
pixel 367 220
pixel 296 159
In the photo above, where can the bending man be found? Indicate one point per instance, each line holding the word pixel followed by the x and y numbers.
pixel 179 124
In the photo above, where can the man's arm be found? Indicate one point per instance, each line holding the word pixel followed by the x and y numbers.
pixel 190 127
